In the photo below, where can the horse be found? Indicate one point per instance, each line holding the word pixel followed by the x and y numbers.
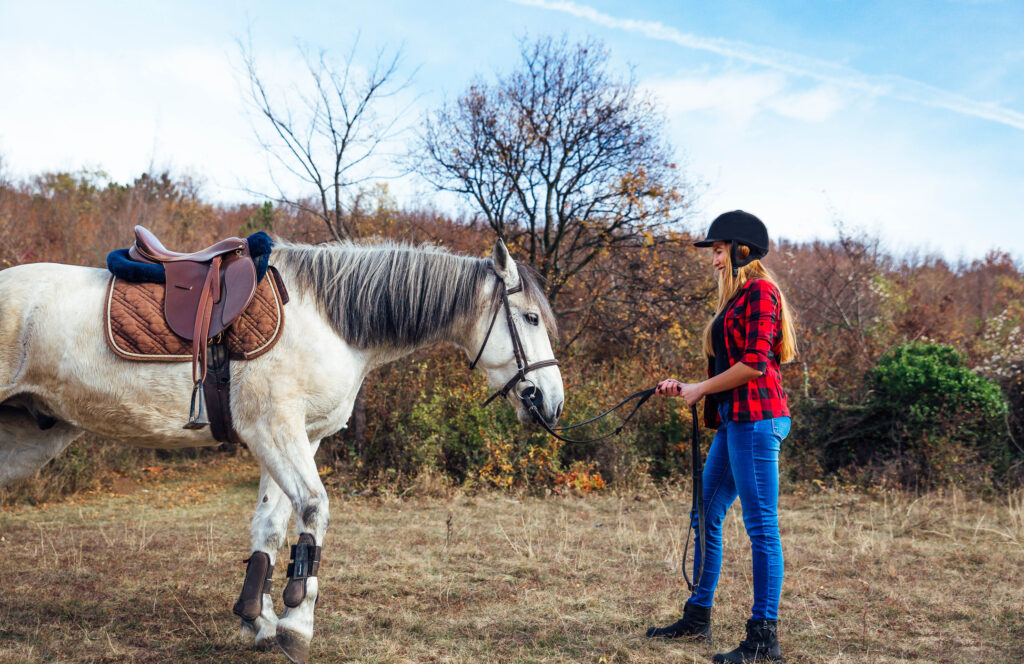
pixel 353 308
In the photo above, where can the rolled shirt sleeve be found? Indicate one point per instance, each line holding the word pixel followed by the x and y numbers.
pixel 762 324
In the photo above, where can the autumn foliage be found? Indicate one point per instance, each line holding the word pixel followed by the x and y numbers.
pixel 631 318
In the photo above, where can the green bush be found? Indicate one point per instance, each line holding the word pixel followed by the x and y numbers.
pixel 1012 384
pixel 927 421
pixel 427 414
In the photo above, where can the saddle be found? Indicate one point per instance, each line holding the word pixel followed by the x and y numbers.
pixel 203 294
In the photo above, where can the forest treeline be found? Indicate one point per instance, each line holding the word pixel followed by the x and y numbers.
pixel 910 371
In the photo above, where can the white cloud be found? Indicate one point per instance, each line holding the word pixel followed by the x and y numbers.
pixel 837 75
pixel 815 105
pixel 736 98
pixel 799 177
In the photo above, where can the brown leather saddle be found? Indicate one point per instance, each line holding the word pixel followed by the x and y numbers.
pixel 205 292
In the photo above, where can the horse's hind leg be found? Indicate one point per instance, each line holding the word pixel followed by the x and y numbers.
pixel 269 532
pixel 25 447
pixel 285 452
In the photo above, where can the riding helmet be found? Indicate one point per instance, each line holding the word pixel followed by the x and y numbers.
pixel 738 227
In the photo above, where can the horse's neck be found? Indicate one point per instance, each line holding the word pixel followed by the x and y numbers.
pixel 461 332
pixel 461 335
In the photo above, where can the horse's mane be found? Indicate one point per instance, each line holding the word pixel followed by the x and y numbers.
pixel 389 294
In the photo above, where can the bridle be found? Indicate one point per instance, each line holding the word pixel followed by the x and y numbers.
pixel 524 367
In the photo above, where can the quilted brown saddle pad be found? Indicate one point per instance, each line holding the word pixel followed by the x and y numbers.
pixel 137 330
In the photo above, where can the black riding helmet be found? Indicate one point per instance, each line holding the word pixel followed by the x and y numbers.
pixel 738 227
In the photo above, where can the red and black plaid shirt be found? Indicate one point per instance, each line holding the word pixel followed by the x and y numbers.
pixel 752 336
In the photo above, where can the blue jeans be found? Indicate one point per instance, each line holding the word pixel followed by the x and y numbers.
pixel 744 461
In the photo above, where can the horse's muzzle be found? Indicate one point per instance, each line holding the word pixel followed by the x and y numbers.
pixel 533 401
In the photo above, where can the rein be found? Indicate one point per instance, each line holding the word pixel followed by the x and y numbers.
pixel 642 396
pixel 696 506
pixel 524 367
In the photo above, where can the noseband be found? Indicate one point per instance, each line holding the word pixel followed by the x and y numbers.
pixel 518 351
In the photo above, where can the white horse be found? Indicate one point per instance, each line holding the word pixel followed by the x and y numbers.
pixel 352 308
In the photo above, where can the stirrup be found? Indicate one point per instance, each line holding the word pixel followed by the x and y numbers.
pixel 197 410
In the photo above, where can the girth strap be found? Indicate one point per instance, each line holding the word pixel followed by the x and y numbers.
pixel 217 391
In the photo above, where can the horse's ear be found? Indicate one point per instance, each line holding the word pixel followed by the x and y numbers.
pixel 504 265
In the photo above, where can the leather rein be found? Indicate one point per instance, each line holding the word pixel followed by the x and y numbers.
pixel 524 367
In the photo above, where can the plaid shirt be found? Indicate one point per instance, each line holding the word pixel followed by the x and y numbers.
pixel 752 336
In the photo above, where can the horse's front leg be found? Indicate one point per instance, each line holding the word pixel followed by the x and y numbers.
pixel 255 605
pixel 288 457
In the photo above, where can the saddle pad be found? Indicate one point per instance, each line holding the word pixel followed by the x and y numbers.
pixel 137 330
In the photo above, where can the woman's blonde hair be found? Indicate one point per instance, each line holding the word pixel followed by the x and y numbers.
pixel 729 285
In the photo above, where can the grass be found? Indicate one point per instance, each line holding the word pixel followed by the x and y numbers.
pixel 148 573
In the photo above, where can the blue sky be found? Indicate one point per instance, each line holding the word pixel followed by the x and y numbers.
pixel 906 118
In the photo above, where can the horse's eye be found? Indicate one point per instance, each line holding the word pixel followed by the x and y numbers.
pixel 533 319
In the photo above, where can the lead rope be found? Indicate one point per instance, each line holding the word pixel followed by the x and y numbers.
pixel 642 395
pixel 696 463
pixel 696 506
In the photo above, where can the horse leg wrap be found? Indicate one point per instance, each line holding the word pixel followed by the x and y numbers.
pixel 305 563
pixel 258 573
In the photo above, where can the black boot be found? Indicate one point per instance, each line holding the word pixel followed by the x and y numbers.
pixel 761 645
pixel 694 625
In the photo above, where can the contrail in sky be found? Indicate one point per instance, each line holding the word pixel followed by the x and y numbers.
pixel 896 87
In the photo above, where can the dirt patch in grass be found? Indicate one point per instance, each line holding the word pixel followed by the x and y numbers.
pixel 150 576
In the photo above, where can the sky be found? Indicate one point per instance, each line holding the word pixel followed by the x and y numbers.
pixel 902 119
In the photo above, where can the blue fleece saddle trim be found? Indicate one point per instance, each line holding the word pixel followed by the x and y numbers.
pixel 122 266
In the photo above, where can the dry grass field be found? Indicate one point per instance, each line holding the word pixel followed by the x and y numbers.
pixel 147 571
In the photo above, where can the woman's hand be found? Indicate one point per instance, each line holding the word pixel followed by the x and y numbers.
pixel 692 392
pixel 670 387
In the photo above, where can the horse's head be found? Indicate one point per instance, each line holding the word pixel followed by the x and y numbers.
pixel 511 332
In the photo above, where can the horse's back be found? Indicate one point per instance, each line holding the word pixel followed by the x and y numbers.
pixel 53 348
pixel 46 299
pixel 40 283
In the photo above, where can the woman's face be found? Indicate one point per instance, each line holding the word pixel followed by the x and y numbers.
pixel 720 256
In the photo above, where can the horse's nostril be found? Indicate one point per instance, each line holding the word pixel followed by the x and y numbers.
pixel 558 410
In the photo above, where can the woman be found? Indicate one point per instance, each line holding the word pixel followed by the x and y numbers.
pixel 749 336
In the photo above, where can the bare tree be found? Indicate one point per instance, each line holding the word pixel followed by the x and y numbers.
pixel 844 312
pixel 559 156
pixel 329 140
pixel 325 137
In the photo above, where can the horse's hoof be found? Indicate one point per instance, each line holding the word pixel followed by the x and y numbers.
pixel 249 629
pixel 265 644
pixel 293 645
